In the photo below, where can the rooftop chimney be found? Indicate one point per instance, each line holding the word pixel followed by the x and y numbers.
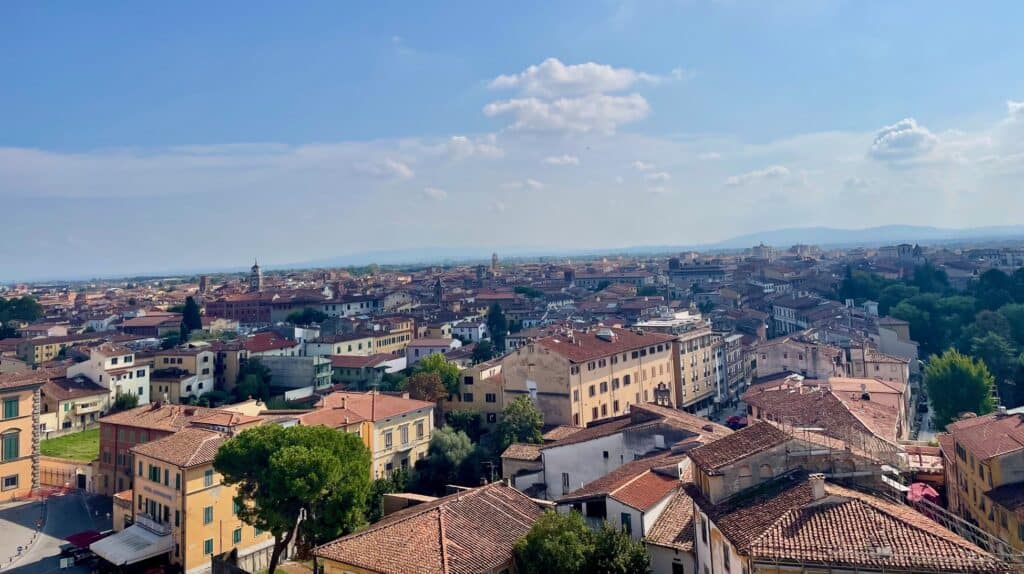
pixel 817 481
pixel 344 402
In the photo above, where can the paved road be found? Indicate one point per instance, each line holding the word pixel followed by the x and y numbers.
pixel 66 515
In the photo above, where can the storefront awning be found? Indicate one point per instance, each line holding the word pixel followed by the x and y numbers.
pixel 131 545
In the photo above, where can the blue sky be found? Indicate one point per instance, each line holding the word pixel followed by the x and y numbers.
pixel 146 137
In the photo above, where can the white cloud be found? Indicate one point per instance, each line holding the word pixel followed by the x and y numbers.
pixel 709 156
pixel 562 160
pixel 642 165
pixel 462 147
pixel 658 177
pixel 593 113
pixel 388 168
pixel 551 78
pixel 1015 109
pixel 769 173
pixel 902 141
pixel 528 183
pixel 434 193
pixel 534 184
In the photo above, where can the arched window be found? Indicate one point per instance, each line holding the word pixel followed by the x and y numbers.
pixel 765 471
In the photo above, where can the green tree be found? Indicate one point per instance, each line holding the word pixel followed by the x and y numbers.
pixel 1012 394
pixel 1014 315
pixel 528 291
pixel 930 279
pixel 392 382
pixel 956 384
pixel 123 402
pixel 170 340
pixel 615 552
pixel 483 351
pixel 253 381
pixel 520 421
pixel 893 294
pixel 997 354
pixel 397 482
pixel 190 315
pixel 469 422
pixel 426 386
pixel 647 291
pixel 993 289
pixel 497 326
pixel 445 455
pixel 555 543
pixel 306 481
pixel 436 363
pixel 20 309
pixel 307 316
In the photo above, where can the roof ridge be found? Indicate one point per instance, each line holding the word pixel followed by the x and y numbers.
pixel 443 535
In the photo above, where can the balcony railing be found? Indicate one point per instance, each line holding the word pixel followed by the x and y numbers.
pixel 86 408
pixel 149 523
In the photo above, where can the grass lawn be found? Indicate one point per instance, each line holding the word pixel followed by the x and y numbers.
pixel 83 446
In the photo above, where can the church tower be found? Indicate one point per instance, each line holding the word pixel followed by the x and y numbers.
pixel 255 278
pixel 439 292
pixel 494 262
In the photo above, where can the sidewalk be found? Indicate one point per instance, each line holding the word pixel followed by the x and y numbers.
pixel 19 524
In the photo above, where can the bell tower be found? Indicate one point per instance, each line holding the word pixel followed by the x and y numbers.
pixel 255 278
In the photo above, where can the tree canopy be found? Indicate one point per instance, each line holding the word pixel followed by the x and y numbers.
pixel 253 381
pixel 448 450
pixel 497 326
pixel 305 481
pixel 437 364
pixel 957 384
pixel 563 543
pixel 483 351
pixel 520 421
pixel 306 316
pixel 426 386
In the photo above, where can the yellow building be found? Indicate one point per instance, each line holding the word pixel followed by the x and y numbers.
pixel 983 459
pixel 72 403
pixel 178 499
pixel 396 429
pixel 481 390
pixel 579 377
pixel 19 447
pixel 43 349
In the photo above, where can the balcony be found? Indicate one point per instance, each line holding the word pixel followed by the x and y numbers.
pixel 86 408
pixel 146 521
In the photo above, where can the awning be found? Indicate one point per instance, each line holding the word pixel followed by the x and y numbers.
pixel 84 539
pixel 131 545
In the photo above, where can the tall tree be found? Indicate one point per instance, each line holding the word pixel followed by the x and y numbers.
pixel 497 326
pixel 615 552
pixel 426 386
pixel 956 384
pixel 253 381
pixel 448 449
pixel 997 354
pixel 520 421
pixel 190 315
pixel 436 363
pixel 483 351
pixel 309 482
pixel 555 543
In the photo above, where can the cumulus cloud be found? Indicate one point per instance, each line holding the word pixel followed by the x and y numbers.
pixel 658 177
pixel 551 78
pixel 434 193
pixel 562 160
pixel 902 141
pixel 773 172
pixel 642 165
pixel 462 147
pixel 593 113
pixel 387 168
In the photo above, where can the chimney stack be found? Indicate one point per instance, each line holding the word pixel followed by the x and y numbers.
pixel 817 481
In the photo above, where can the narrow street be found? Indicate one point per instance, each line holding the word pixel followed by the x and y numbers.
pixel 66 515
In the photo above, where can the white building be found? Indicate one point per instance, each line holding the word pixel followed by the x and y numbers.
pixel 472 331
pixel 422 348
pixel 113 367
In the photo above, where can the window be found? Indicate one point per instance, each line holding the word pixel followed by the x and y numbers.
pixel 604 454
pixel 625 381
pixel 493 418
pixel 627 523
pixel 467 397
pixel 576 396
pixel 725 557
pixel 615 406
pixel 615 384
pixel 177 518
pixel 140 468
pixel 256 531
pixel 10 446
pixel 10 408
pixel 604 410
pixel 419 429
pixel 208 477
pixel 591 391
pixel 9 482
pixel 604 386
pixel 388 440
pixel 208 546
pixel 207 515
pixel 467 380
pixel 403 433
pixel 491 397
pixel 236 536
pixel 565 483
pixel 140 373
pixel 593 413
pixel 177 481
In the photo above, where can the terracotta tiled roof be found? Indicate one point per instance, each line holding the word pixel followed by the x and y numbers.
pixel 561 432
pixel 464 533
pixel 753 439
pixel 989 436
pixel 22 379
pixel 159 416
pixel 780 520
pixel 522 451
pixel 186 448
pixel 359 361
pixel 588 346
pixel 268 341
pixel 335 408
pixel 674 527
pixel 63 389
pixel 821 408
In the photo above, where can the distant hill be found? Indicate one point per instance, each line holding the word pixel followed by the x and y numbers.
pixel 871 236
